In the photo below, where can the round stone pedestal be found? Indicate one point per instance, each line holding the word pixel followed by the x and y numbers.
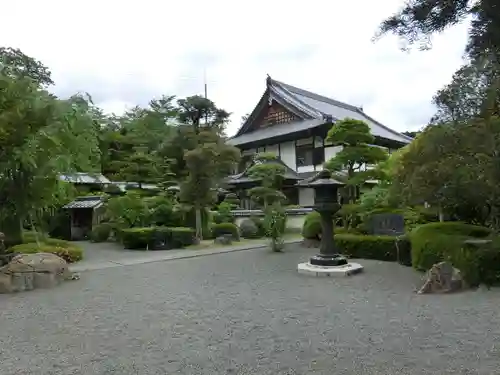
pixel 347 269
pixel 328 260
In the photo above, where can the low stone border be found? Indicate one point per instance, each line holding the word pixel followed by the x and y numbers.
pixel 155 257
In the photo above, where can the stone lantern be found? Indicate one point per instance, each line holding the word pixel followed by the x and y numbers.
pixel 329 261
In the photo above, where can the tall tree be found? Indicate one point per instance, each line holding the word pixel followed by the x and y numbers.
pixel 270 172
pixel 199 112
pixel 418 20
pixel 141 167
pixel 472 93
pixel 15 64
pixel 456 168
pixel 357 153
pixel 206 164
pixel 41 137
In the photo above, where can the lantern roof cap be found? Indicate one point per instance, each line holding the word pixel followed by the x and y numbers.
pixel 323 178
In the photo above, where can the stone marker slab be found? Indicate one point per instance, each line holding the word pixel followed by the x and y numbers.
pixel 387 224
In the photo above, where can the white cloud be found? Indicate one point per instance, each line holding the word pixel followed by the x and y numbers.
pixel 124 53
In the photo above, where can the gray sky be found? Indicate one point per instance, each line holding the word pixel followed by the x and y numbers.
pixel 127 52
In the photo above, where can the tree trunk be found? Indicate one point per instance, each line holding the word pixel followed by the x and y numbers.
pixel 199 224
pixel 12 229
pixel 441 215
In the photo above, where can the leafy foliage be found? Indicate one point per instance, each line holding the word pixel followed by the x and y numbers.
pixel 455 168
pixel 41 137
pixel 419 19
pixel 357 152
pixel 275 225
pixel 15 64
pixel 473 92
pixel 270 172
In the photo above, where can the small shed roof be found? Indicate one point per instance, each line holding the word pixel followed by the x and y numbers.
pixel 244 177
pixel 93 202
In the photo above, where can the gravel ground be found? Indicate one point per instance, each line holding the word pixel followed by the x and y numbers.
pixel 247 313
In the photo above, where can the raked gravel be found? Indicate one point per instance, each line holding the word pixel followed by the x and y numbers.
pixel 248 313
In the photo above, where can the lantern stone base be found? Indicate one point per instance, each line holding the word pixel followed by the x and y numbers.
pixel 330 271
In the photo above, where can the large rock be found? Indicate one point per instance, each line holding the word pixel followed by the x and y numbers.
pixel 443 278
pixel 224 240
pixel 33 271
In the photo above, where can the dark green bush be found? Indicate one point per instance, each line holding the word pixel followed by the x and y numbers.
pixel 181 236
pixel 100 232
pixel 312 226
pixel 137 238
pixel 150 237
pixel 226 228
pixel 248 229
pixel 386 248
pixel 223 214
pixel 436 242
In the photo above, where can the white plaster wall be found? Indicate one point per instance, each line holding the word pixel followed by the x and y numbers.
pixel 306 197
pixel 250 151
pixel 287 154
pixel 331 151
pixel 273 149
pixel 292 221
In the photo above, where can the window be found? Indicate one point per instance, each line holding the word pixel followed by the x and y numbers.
pixel 304 155
pixel 309 153
pixel 318 156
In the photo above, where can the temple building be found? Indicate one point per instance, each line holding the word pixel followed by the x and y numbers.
pixel 293 123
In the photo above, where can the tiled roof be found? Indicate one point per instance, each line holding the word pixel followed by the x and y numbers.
pixel 86 202
pixel 85 178
pixel 239 178
pixel 275 131
pixel 314 110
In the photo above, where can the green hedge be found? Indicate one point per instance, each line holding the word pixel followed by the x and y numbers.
pixel 151 238
pixel 226 228
pixel 101 232
pixel 312 227
pixel 386 248
pixel 68 251
pixel 436 242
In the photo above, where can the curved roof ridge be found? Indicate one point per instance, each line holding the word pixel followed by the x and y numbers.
pixel 312 95
pixel 296 102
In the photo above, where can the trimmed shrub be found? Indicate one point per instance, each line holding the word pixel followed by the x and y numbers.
pixel 312 226
pixel 181 236
pixel 386 248
pixel 150 237
pixel 226 228
pixel 68 251
pixel 434 242
pixel 437 242
pixel 248 229
pixel 137 238
pixel 101 232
